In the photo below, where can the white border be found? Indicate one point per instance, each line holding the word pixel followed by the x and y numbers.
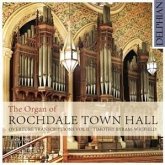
pixel 1 59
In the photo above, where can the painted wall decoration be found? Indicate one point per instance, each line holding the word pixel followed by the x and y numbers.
pixel 134 21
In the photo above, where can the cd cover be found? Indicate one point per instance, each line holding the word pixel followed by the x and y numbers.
pixel 82 81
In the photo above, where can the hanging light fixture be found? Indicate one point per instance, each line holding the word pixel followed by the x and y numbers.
pixel 69 55
pixel 151 64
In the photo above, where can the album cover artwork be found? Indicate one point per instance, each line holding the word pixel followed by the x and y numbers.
pixel 83 82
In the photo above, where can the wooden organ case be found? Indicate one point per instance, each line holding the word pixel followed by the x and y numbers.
pixel 101 77
pixel 37 73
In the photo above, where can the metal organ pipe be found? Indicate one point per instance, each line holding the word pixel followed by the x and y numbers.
pixel 101 68
pixel 64 80
pixel 94 74
pixel 86 73
pixel 142 85
pixel 25 40
pixel 20 69
pixel 40 65
pixel 29 33
pixel 32 69
pixel 92 84
pixel 28 71
pixel 105 71
pixel 88 79
pixel 44 60
pixel 23 69
pixel 49 65
pixel 57 77
pixel 22 39
pixel 53 73
pixel 90 71
pixel 32 31
pixel 110 71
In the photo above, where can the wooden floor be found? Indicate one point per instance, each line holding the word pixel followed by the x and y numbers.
pixel 129 156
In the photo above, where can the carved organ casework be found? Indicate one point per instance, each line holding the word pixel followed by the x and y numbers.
pixel 100 74
pixel 38 75
pixel 142 85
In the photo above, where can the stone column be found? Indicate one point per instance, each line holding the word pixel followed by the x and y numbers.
pixel 7 54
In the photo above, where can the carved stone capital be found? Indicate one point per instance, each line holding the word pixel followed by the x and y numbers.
pixel 7 52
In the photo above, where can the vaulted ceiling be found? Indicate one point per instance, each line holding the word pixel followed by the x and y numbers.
pixel 134 18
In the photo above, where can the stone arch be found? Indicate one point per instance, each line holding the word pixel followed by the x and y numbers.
pixel 82 31
pixel 13 21
pixel 131 45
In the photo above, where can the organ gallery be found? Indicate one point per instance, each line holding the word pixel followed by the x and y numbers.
pixel 108 65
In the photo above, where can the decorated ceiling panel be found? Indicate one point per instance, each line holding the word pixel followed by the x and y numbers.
pixel 134 19
pixel 80 14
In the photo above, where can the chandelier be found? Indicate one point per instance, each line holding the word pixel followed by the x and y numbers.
pixel 151 64
pixel 69 55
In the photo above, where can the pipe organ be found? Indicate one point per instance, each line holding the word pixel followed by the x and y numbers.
pixel 103 57
pixel 142 85
pixel 38 75
pixel 108 64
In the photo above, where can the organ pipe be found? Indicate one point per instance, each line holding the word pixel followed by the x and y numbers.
pixel 57 77
pixel 64 80
pixel 94 74
pixel 45 50
pixel 32 30
pixel 49 65
pixel 23 69
pixel 105 70
pixel 29 33
pixel 110 71
pixel 20 70
pixel 25 40
pixel 86 78
pixel 53 75
pixel 101 68
pixel 28 70
pixel 32 69
pixel 40 65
